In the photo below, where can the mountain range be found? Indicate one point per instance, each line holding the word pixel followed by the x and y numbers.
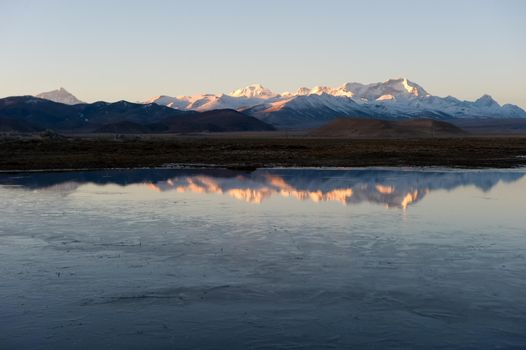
pixel 254 108
pixel 309 107
pixel 29 114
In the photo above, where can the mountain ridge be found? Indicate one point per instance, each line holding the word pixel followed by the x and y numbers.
pixel 29 113
pixel 397 98
pixel 393 99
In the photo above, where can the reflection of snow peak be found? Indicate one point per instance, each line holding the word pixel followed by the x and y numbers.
pixel 250 195
pixel 391 188
pixel 275 186
pixel 384 189
pixel 409 198
pixel 253 191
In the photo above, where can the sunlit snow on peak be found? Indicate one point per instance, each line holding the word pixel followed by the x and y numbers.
pixel 253 91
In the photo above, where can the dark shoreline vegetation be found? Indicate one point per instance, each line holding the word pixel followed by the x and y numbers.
pixel 253 150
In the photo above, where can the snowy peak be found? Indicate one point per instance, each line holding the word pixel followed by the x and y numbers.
pixel 392 99
pixel 486 101
pixel 392 89
pixel 61 96
pixel 412 88
pixel 253 91
pixel 302 91
pixel 404 86
pixel 320 90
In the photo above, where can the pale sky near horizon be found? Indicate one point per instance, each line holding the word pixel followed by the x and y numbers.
pixel 133 50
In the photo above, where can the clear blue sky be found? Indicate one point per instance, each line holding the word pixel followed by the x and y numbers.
pixel 110 50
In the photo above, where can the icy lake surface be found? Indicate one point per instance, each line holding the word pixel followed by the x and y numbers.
pixel 276 258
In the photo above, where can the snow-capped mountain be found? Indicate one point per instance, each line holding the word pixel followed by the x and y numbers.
pixel 61 96
pixel 240 99
pixel 305 111
pixel 207 102
pixel 253 91
pixel 309 107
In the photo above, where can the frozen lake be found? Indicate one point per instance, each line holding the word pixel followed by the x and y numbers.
pixel 276 258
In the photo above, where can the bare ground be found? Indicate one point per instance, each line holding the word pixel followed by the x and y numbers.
pixel 250 151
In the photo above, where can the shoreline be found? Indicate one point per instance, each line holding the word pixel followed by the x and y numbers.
pixel 249 153
pixel 212 167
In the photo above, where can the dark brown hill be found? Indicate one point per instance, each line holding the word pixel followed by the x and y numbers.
pixel 492 126
pixel 376 128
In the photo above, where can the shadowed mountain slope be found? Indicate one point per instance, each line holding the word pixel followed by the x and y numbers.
pixel 27 114
pixel 218 121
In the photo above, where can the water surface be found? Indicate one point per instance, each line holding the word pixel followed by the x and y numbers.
pixel 287 258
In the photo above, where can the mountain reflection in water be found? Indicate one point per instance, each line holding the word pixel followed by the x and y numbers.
pixel 121 259
pixel 393 188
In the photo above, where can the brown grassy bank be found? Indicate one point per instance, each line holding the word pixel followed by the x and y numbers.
pixel 241 151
